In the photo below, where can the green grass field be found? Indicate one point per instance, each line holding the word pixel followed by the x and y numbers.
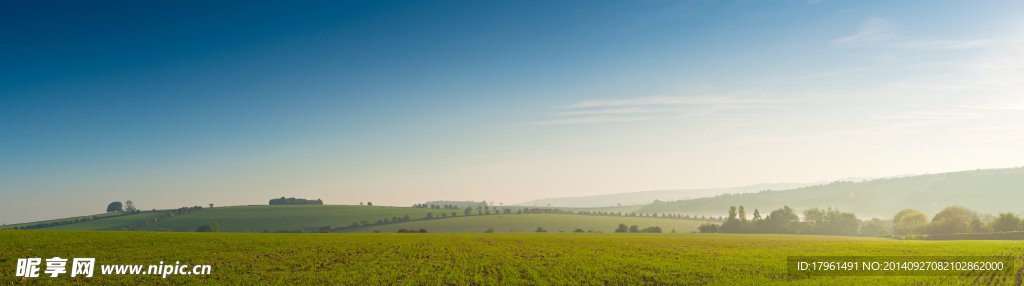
pixel 113 223
pixel 479 259
pixel 308 217
pixel 530 222
pixel 97 216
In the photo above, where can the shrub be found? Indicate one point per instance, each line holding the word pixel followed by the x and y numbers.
pixel 489 230
pixel 871 228
pixel 209 227
pixel 653 229
pixel 540 229
pixel 708 228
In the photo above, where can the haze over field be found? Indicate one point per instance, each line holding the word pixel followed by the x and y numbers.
pixel 986 191
pixel 646 197
pixel 173 104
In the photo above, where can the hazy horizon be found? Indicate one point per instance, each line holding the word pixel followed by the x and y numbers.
pixel 396 103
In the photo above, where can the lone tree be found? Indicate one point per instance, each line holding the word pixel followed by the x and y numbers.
pixel 211 205
pixel 622 228
pixel 114 207
pixel 369 203
pixel 129 206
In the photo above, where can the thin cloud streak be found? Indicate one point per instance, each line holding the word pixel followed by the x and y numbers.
pixel 609 111
pixel 667 100
pixel 881 33
pixel 595 119
pixel 930 115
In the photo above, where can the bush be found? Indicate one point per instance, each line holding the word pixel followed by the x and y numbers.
pixel 578 230
pixel 423 230
pixel 489 230
pixel 653 229
pixel 209 227
pixel 540 229
pixel 708 228
pixel 871 228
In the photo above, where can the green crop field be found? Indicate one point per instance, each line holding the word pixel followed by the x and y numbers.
pixel 530 222
pixel 479 259
pixel 96 216
pixel 113 223
pixel 306 217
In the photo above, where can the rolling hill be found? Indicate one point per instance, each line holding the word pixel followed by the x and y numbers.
pixel 112 223
pixel 646 197
pixel 530 222
pixel 986 191
pixel 306 217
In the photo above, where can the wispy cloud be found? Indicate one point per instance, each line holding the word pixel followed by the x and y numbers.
pixel 593 119
pixel 875 30
pixel 831 73
pixel 941 115
pixel 666 100
pixel 630 110
pixel 882 33
pixel 1002 105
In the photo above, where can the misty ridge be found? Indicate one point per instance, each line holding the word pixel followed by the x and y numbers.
pixel 986 191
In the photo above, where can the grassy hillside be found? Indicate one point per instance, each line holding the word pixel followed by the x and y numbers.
pixel 306 217
pixel 70 219
pixel 987 191
pixel 479 259
pixel 112 223
pixel 530 222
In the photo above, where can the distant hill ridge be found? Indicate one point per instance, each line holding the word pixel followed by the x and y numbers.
pixel 647 197
pixel 986 191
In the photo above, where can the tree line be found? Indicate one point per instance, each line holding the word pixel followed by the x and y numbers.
pixel 169 214
pixel 293 201
pixel 635 229
pixel 954 219
pixel 829 221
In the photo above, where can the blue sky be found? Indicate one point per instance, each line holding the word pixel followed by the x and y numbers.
pixel 231 103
